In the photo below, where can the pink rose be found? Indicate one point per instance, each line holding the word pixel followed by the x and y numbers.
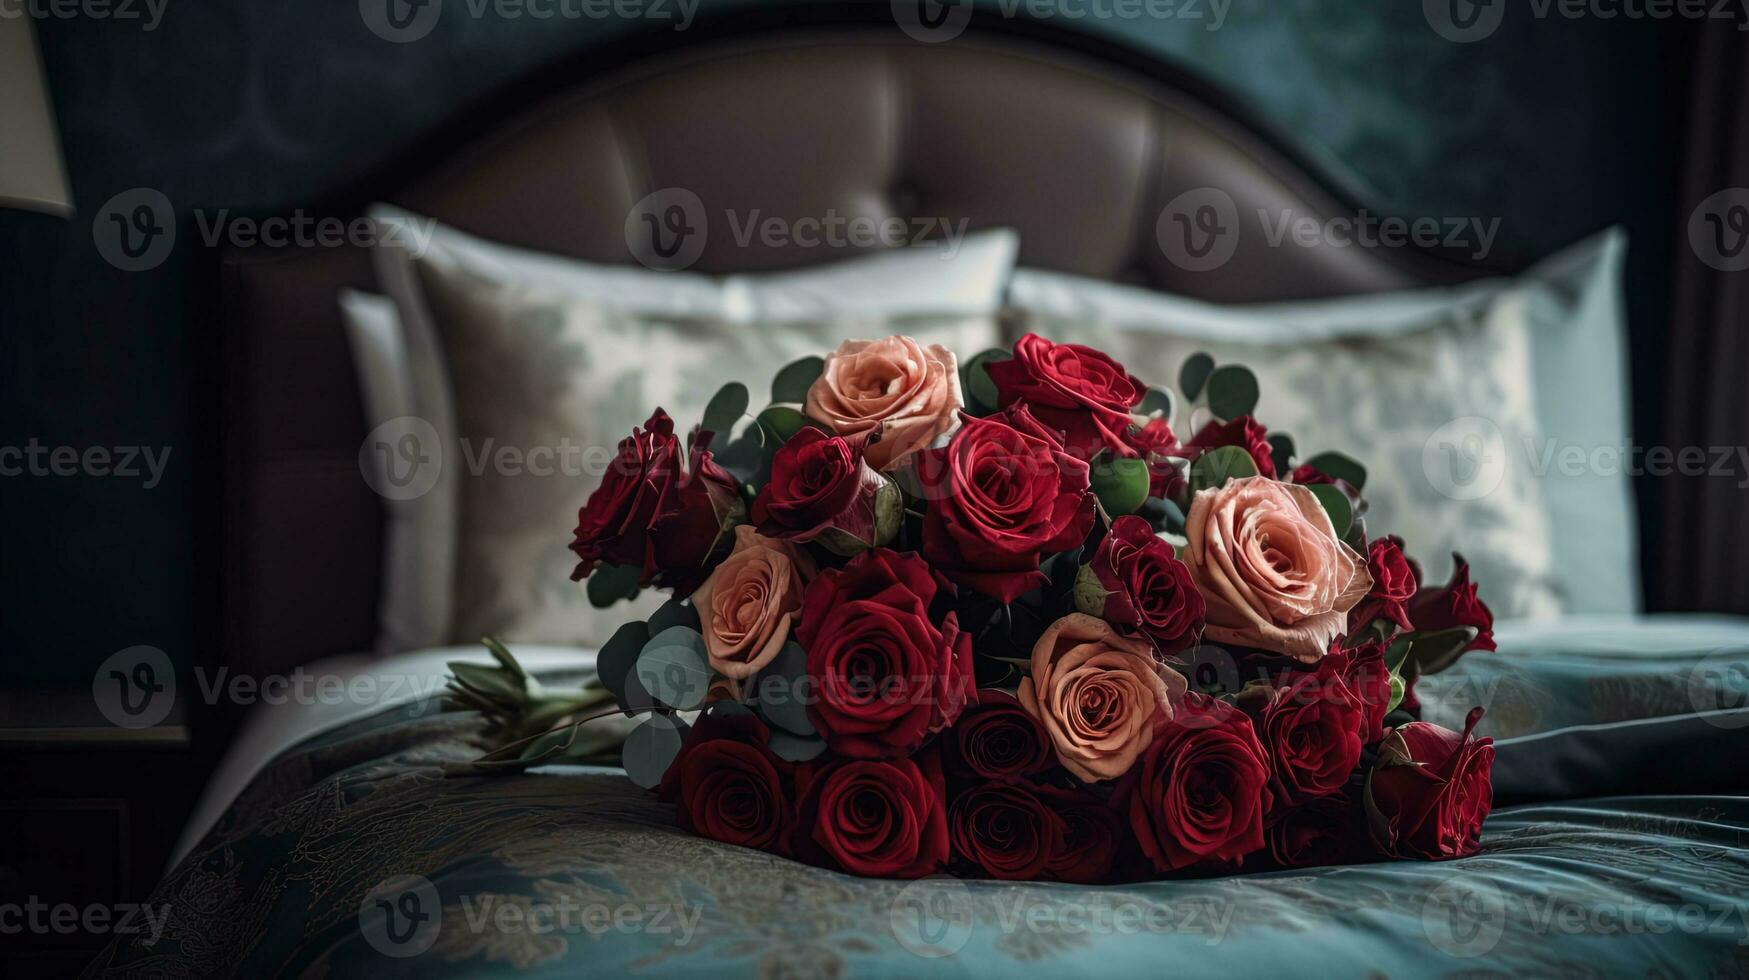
pixel 1272 572
pixel 908 391
pixel 748 604
pixel 1097 694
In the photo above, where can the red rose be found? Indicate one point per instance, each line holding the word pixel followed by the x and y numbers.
pixel 819 481
pixel 1155 443
pixel 1311 729
pixel 1005 830
pixel 1431 791
pixel 1243 432
pixel 1454 605
pixel 1092 835
pixel 888 672
pixel 1322 832
pixel 1362 668
pixel 1198 795
pixel 995 738
pixel 1146 586
pixel 728 786
pixel 652 513
pixel 1393 585
pixel 1000 496
pixel 1074 389
pixel 880 819
pixel 1310 475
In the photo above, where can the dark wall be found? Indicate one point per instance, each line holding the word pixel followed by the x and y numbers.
pixel 1557 127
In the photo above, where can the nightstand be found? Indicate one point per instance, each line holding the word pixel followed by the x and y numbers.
pixel 89 812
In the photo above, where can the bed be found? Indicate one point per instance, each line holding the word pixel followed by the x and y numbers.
pixel 333 842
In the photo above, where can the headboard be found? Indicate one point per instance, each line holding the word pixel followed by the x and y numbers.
pixel 1076 144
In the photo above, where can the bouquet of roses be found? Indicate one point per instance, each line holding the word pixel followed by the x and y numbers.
pixel 997 618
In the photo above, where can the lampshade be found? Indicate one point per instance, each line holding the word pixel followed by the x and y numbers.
pixel 31 175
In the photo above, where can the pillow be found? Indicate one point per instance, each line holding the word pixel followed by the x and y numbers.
pixel 545 386
pixel 1562 442
pixel 419 565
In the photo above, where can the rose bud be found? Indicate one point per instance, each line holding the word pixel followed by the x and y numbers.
pixel 1243 432
pixel 652 513
pixel 1198 795
pixel 880 819
pixel 1098 695
pixel 1005 830
pixel 1093 833
pixel 1271 569
pixel 1322 832
pixel 1076 390
pixel 1311 730
pixel 748 605
pixel 1145 586
pixel 888 671
pixel 1431 790
pixel 995 738
pixel 907 391
pixel 821 482
pixel 1393 585
pixel 1000 496
pixel 1454 605
pixel 728 786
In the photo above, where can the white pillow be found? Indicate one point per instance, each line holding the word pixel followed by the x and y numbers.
pixel 1569 307
pixel 419 567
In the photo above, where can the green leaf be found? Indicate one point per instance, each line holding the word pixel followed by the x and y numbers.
pixel 1336 466
pixel 488 680
pixel 1194 374
pixel 1215 467
pixel 608 584
pixel 1121 485
pixel 1398 688
pixel 780 422
pixel 1159 401
pixel 674 612
pixel 1431 653
pixel 980 391
pixel 792 383
pixel 781 693
pixel 675 669
pixel 1398 653
pixel 796 748
pixel 1232 391
pixel 726 408
pixel 650 749
pixel 616 665
pixel 1336 504
pixel 1281 452
pixel 1089 592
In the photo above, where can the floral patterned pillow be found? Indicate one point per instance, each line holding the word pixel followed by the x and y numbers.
pixel 1443 417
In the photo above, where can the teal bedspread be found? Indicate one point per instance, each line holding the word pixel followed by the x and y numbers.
pixel 1625 852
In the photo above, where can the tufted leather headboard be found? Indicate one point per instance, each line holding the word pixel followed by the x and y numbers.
pixel 1077 145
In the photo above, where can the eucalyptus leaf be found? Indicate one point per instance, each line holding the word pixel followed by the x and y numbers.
pixel 650 749
pixel 1159 401
pixel 792 383
pixel 779 423
pixel 1215 467
pixel 1232 391
pixel 795 748
pixel 616 665
pixel 1337 466
pixel 608 584
pixel 675 669
pixel 1281 452
pixel 1121 485
pixel 726 408
pixel 1194 374
pixel 781 691
pixel 979 389
pixel 1336 504
pixel 674 612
